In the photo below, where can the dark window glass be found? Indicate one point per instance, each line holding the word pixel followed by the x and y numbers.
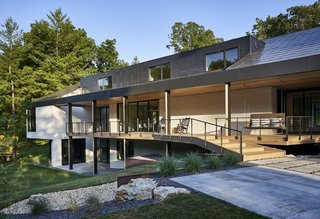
pixel 132 116
pixel 215 61
pixel 105 83
pixel 231 56
pixel 155 73
pixel 160 72
pixel 31 119
pixel 166 71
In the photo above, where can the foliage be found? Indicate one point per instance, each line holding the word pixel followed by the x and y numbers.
pixel 297 18
pixel 107 56
pixel 190 36
pixel 192 162
pixel 167 166
pixel 186 206
pixel 39 204
pixel 135 60
pixel 93 203
pixel 73 206
pixel 230 159
pixel 213 162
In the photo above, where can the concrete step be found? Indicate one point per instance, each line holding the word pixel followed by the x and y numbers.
pixel 266 154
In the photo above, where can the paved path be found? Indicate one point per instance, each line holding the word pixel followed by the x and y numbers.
pixel 304 164
pixel 267 191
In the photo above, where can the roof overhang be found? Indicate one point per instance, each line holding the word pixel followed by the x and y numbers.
pixel 287 67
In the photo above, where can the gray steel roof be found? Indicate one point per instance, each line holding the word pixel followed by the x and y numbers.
pixel 290 46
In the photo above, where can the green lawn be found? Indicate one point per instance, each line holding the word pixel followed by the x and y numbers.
pixel 186 206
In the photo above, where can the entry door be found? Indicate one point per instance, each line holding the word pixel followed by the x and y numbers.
pixel 316 116
pixel 79 151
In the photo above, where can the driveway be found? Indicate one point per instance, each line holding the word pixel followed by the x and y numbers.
pixel 275 193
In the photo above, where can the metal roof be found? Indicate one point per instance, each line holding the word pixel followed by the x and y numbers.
pixel 285 47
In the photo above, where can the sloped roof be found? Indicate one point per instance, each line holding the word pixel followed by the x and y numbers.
pixel 281 48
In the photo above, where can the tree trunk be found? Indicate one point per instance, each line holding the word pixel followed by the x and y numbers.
pixel 14 151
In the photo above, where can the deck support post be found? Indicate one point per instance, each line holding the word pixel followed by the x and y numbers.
pixel 95 159
pixel 167 113
pixel 125 114
pixel 93 115
pixel 227 87
pixel 168 149
pixel 124 154
pixel 70 140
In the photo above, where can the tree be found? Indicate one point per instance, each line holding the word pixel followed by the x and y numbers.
pixel 10 43
pixel 135 60
pixel 190 36
pixel 108 57
pixel 297 18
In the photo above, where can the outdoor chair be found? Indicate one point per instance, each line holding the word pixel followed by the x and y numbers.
pixel 183 125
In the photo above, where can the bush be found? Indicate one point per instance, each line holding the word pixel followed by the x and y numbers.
pixel 93 203
pixel 73 206
pixel 213 162
pixel 230 159
pixel 3 216
pixel 167 166
pixel 192 162
pixel 39 204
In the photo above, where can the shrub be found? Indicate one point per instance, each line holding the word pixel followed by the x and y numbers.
pixel 3 216
pixel 213 162
pixel 230 159
pixel 192 162
pixel 167 166
pixel 39 204
pixel 73 206
pixel 93 203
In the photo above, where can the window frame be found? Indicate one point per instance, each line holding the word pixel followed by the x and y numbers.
pixel 107 85
pixel 224 54
pixel 161 66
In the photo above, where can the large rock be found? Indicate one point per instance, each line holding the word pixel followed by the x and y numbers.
pixel 139 189
pixel 162 192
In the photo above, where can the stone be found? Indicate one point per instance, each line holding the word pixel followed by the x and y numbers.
pixel 162 192
pixel 138 189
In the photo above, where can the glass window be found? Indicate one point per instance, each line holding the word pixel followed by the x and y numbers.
pixel 214 61
pixel 231 56
pixel 105 83
pixel 160 72
pixel 31 120
pixel 166 71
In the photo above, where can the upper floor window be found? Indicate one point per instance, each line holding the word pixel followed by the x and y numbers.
pixel 160 72
pixel 31 115
pixel 221 60
pixel 105 83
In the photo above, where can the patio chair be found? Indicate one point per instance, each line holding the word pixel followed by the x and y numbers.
pixel 183 125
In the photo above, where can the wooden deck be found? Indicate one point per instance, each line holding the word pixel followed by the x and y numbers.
pixel 252 149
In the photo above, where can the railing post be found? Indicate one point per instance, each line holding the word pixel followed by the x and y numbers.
pixel 221 142
pixel 241 156
pixel 119 127
pixel 205 134
pixel 216 135
pixel 191 128
pixel 110 126
pixel 287 129
pixel 300 121
pixel 259 138
pixel 237 137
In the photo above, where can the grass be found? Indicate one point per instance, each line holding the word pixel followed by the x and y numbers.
pixel 167 166
pixel 186 206
pixel 192 162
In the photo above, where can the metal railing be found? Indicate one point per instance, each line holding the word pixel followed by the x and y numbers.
pixel 199 128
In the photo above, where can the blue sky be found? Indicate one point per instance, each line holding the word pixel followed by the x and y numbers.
pixel 141 27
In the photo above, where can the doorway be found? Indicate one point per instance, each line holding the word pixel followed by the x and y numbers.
pixel 79 151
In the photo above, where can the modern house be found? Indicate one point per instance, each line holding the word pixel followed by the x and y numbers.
pixel 238 95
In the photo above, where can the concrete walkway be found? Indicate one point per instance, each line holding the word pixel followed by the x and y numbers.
pixel 267 191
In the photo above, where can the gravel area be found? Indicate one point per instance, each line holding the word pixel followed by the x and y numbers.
pixel 105 192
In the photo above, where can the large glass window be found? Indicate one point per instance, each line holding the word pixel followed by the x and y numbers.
pixel 231 56
pixel 215 61
pixel 31 119
pixel 143 115
pixel 221 60
pixel 105 83
pixel 160 72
